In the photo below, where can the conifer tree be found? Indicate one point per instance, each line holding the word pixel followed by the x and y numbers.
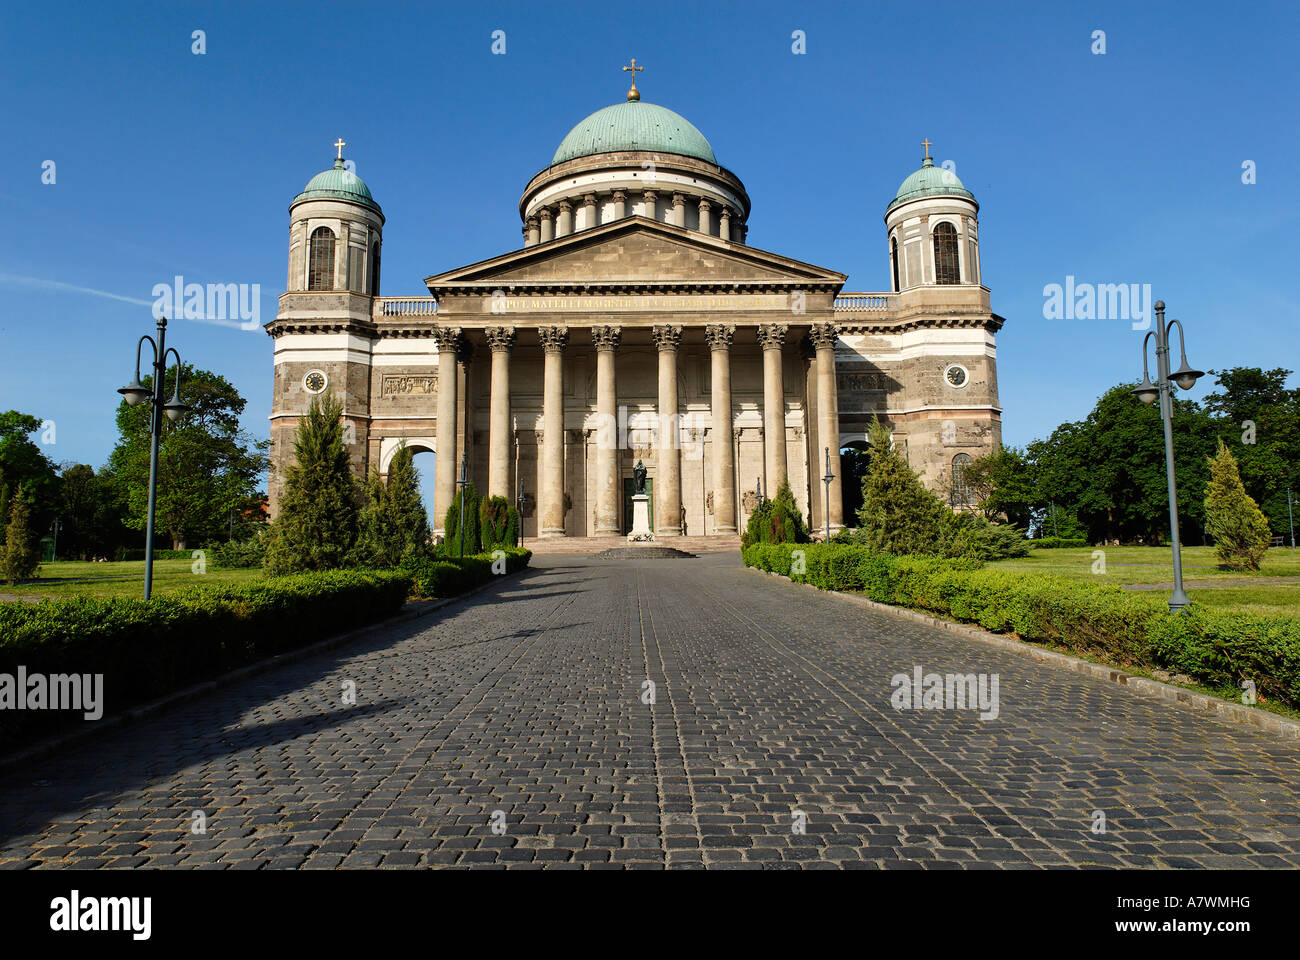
pixel 392 524
pixel 1240 530
pixel 316 528
pixel 451 544
pixel 898 514
pixel 18 556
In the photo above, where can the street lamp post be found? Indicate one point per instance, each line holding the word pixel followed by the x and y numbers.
pixel 827 502
pixel 135 394
pixel 462 483
pixel 1185 377
pixel 519 508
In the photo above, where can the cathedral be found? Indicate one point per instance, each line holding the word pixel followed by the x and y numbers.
pixel 636 321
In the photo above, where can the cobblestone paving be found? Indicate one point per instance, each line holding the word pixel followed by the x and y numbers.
pixel 770 701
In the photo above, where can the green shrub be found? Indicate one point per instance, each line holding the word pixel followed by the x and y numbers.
pixel 239 553
pixel 18 557
pixel 1123 627
pixel 1052 543
pixel 451 542
pixel 777 520
pixel 448 576
pixel 137 553
pixel 498 523
pixel 147 648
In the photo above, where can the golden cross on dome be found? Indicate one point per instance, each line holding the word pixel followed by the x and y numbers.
pixel 340 143
pixel 634 94
pixel 927 144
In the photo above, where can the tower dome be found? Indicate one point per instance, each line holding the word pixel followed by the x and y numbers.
pixel 338 183
pixel 930 181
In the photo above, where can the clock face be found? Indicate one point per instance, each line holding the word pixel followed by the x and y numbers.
pixel 956 376
pixel 314 381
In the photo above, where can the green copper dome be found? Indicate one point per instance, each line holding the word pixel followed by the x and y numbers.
pixel 634 126
pixel 930 181
pixel 338 183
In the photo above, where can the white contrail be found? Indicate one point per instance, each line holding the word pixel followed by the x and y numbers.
pixel 12 278
pixel 56 285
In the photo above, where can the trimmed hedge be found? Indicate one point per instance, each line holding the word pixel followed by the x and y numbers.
pixel 1123 627
pixel 147 648
pixel 435 578
pixel 1048 543
pixel 137 553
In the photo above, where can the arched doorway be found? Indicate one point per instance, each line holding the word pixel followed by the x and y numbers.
pixel 425 461
pixel 855 458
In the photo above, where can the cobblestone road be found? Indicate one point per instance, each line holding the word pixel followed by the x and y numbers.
pixel 771 702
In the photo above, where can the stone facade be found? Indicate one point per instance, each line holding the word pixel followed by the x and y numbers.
pixel 547 368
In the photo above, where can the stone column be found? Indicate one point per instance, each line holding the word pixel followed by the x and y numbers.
pixel 448 460
pixel 534 232
pixel 772 337
pixel 668 480
pixel 651 204
pixel 548 228
pixel 724 223
pixel 589 205
pixel 501 340
pixel 464 422
pixel 724 462
pixel 524 229
pixel 606 340
pixel 706 219
pixel 620 204
pixel 822 336
pixel 679 209
pixel 550 497
pixel 564 225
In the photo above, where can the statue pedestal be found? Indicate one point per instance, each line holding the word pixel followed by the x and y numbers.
pixel 641 532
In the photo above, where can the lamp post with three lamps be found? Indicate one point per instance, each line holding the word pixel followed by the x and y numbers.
pixel 1185 377
pixel 135 393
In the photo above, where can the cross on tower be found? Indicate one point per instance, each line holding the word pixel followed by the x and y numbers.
pixel 927 144
pixel 633 94
pixel 340 143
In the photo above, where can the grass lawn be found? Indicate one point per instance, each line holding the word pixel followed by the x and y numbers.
pixel 75 578
pixel 1128 565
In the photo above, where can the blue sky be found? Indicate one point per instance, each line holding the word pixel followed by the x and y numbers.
pixel 1117 168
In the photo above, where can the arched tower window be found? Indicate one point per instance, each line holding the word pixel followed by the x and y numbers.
pixel 946 268
pixel 961 493
pixel 320 261
pixel 893 257
pixel 374 269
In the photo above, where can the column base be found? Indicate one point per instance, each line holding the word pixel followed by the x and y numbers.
pixel 551 534
pixel 731 530
pixel 607 532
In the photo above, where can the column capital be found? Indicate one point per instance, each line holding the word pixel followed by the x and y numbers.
pixel 719 335
pixel 531 223
pixel 725 213
pixel 823 335
pixel 544 213
pixel 667 336
pixel 620 195
pixel 606 337
pixel 589 199
pixel 678 198
pixel 500 339
pixel 554 339
pixel 649 194
pixel 448 338
pixel 772 335
pixel 705 205
pixel 565 206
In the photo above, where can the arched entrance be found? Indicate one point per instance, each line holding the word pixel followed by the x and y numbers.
pixel 855 458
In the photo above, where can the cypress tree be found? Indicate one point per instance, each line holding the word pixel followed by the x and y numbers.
pixel 18 557
pixel 1240 530
pixel 451 524
pixel 898 514
pixel 499 523
pixel 317 525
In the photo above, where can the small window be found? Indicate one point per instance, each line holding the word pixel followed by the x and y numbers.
pixel 961 494
pixel 374 269
pixel 946 268
pixel 893 259
pixel 320 263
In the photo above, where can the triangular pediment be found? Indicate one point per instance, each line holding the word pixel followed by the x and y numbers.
pixel 633 251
